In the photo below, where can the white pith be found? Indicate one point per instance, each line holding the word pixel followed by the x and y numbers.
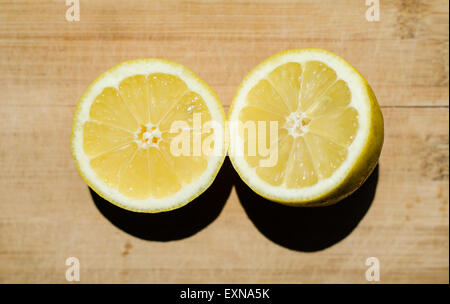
pixel 295 124
pixel 112 78
pixel 152 132
pixel 359 101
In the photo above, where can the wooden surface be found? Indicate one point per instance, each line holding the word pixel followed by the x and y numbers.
pixel 48 214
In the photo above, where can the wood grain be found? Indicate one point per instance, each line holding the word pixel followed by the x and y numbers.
pixel 48 214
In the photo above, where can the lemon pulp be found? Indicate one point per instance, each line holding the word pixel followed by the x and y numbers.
pixel 315 119
pixel 127 136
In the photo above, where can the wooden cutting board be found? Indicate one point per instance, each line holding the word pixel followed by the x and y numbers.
pixel 230 235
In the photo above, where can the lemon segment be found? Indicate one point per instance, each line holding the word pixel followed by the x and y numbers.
pixel 300 169
pixel 163 178
pixel 276 174
pixel 108 165
pixel 287 81
pixel 316 79
pixel 166 90
pixel 265 97
pixel 134 175
pixel 100 138
pixel 108 108
pixel 189 104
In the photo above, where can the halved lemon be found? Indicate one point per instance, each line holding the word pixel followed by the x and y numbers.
pixel 305 128
pixel 141 138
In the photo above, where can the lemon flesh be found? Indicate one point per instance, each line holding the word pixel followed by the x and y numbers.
pixel 122 135
pixel 329 128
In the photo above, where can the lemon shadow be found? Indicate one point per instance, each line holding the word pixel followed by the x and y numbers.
pixel 176 224
pixel 307 229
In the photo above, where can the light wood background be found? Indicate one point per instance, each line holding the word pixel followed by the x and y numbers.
pixel 48 214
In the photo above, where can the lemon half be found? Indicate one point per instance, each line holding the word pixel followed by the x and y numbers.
pixel 123 135
pixel 328 135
